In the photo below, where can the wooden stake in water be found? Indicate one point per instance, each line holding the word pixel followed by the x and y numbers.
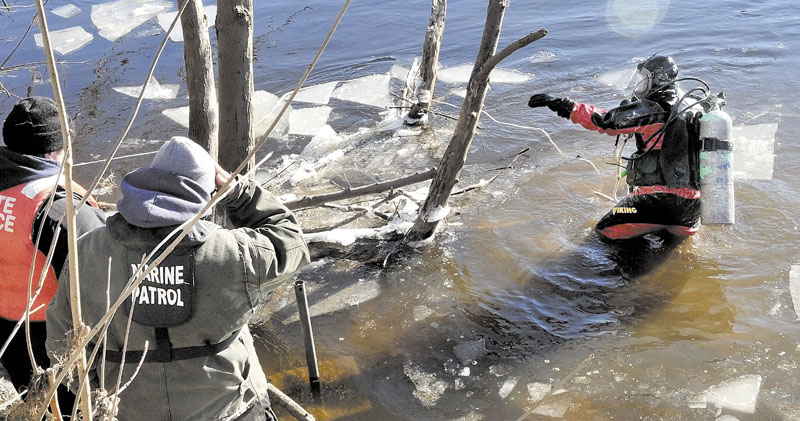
pixel 308 337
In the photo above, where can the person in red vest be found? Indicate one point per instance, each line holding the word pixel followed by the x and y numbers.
pixel 29 169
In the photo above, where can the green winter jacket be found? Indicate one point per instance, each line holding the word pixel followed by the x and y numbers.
pixel 233 270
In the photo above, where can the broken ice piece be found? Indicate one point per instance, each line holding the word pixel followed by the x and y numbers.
pixel 755 151
pixel 65 41
pixel 316 94
pixel 428 389
pixel 179 115
pixel 117 18
pixel 461 75
pixel 369 90
pixel 537 391
pixel 266 107
pixel 468 352
pixel 154 90
pixel 66 11
pixel 308 121
pixel 507 387
pixel 739 394
pixel 165 20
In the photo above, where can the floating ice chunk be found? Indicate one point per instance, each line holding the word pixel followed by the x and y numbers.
pixel 308 121
pixel 428 389
pixel 737 395
pixel 317 94
pixel 619 79
pixel 508 387
pixel 794 288
pixel 66 11
pixel 266 107
pixel 369 90
pixel 555 409
pixel 542 56
pixel 458 384
pixel 468 352
pixel 464 372
pixel 154 90
pixel 754 154
pixel 117 18
pixel 348 297
pixel 537 391
pixel 324 142
pixel 421 313
pixel 165 20
pixel 179 115
pixel 461 74
pixel 65 41
pixel 499 370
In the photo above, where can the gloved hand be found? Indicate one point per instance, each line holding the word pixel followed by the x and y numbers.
pixel 562 106
pixel 540 100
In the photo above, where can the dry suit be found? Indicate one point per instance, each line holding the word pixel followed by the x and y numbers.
pixel 663 174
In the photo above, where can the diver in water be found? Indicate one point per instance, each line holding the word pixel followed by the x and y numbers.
pixel 663 174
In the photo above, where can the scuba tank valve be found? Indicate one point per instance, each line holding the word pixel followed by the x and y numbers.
pixel 716 165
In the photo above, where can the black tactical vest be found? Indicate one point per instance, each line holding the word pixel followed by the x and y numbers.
pixel 676 164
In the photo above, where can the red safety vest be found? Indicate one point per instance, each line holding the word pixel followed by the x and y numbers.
pixel 18 208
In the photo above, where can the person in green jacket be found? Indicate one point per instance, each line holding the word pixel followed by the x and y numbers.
pixel 190 313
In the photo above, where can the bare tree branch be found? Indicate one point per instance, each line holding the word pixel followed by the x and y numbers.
pixel 311 201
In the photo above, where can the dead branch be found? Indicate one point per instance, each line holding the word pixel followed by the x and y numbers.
pixel 311 201
pixel 288 404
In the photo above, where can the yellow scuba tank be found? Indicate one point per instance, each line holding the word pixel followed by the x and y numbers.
pixel 716 165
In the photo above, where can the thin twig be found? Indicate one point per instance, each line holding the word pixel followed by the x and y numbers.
pixel 484 184
pixel 25 35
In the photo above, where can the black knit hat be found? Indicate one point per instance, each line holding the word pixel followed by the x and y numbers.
pixel 33 128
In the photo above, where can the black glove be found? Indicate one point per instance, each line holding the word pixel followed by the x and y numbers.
pixel 562 106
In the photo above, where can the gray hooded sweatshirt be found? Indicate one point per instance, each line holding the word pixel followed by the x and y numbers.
pixel 202 295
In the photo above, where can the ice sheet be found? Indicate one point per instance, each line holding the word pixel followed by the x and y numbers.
pixel 308 121
pixel 468 352
pixel 369 90
pixel 739 394
pixel 179 115
pixel 154 90
pixel 619 79
pixel 266 107
pixel 351 296
pixel 317 94
pixel 65 41
pixel 461 74
pixel 165 20
pixel 754 151
pixel 117 18
pixel 794 288
pixel 66 11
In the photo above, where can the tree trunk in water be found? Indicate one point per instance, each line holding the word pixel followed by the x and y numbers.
pixel 200 77
pixel 456 154
pixel 235 49
pixel 430 55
